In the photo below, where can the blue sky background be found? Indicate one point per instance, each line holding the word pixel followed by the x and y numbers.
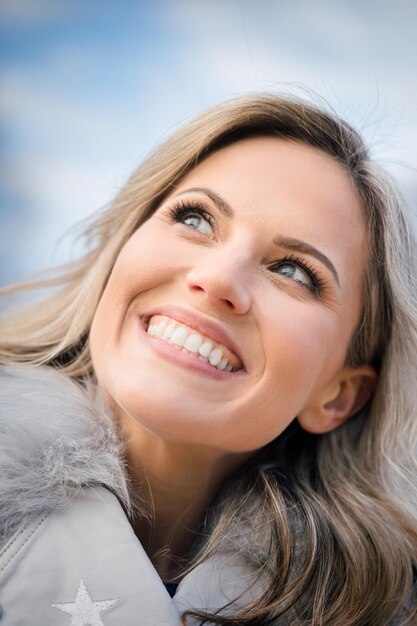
pixel 89 86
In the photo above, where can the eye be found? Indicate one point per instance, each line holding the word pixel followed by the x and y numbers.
pixel 290 270
pixel 300 271
pixel 198 222
pixel 194 217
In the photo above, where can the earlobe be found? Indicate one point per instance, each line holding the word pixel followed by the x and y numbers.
pixel 346 395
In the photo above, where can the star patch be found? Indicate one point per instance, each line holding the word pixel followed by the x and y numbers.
pixel 85 612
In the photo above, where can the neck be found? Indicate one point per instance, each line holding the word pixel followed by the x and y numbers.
pixel 175 484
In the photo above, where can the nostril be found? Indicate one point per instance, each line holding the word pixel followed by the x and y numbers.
pixel 197 288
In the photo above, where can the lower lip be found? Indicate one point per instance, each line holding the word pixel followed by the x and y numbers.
pixel 186 359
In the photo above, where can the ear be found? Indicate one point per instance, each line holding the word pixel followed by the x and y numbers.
pixel 343 397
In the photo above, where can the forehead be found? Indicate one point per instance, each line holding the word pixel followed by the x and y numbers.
pixel 267 153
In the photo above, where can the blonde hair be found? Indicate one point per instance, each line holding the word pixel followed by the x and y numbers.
pixel 347 494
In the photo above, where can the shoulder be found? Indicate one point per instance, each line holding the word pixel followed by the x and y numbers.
pixel 83 561
pixel 55 438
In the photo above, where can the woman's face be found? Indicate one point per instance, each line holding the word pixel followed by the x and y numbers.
pixel 260 253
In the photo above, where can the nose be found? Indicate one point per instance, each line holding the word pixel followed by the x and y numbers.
pixel 222 280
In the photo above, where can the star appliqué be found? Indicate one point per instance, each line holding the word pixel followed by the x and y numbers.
pixel 85 612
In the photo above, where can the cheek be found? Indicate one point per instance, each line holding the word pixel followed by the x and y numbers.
pixel 140 266
pixel 137 266
pixel 299 358
pixel 302 353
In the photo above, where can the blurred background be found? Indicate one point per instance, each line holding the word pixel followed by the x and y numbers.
pixel 89 86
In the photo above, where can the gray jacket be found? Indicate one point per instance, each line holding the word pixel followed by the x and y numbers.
pixel 68 555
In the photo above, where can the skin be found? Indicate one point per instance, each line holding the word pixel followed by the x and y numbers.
pixel 185 431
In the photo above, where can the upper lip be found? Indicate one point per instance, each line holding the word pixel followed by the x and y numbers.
pixel 201 324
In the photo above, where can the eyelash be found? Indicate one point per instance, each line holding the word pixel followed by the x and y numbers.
pixel 181 208
pixel 317 283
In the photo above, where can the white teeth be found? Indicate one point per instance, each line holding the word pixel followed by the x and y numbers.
pixel 193 342
pixel 183 338
pixel 169 330
pixel 206 348
pixel 159 330
pixel 179 336
pixel 215 357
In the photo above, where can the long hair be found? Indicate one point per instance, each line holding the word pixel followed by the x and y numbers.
pixel 341 540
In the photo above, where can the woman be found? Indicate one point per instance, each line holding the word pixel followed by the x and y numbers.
pixel 227 392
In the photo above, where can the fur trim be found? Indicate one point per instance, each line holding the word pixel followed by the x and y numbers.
pixel 55 438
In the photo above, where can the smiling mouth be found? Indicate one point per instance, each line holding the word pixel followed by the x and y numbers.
pixel 188 340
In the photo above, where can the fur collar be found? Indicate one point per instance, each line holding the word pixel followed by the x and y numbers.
pixel 55 438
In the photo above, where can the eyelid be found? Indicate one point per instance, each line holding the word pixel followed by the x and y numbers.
pixel 318 283
pixel 181 207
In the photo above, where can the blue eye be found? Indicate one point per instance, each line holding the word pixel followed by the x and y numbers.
pixel 293 271
pixel 198 222
pixel 300 271
pixel 194 216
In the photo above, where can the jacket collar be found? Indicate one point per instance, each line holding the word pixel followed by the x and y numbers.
pixel 55 438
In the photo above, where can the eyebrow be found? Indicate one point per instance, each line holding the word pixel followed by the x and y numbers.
pixel 224 208
pixel 301 246
pixel 289 243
